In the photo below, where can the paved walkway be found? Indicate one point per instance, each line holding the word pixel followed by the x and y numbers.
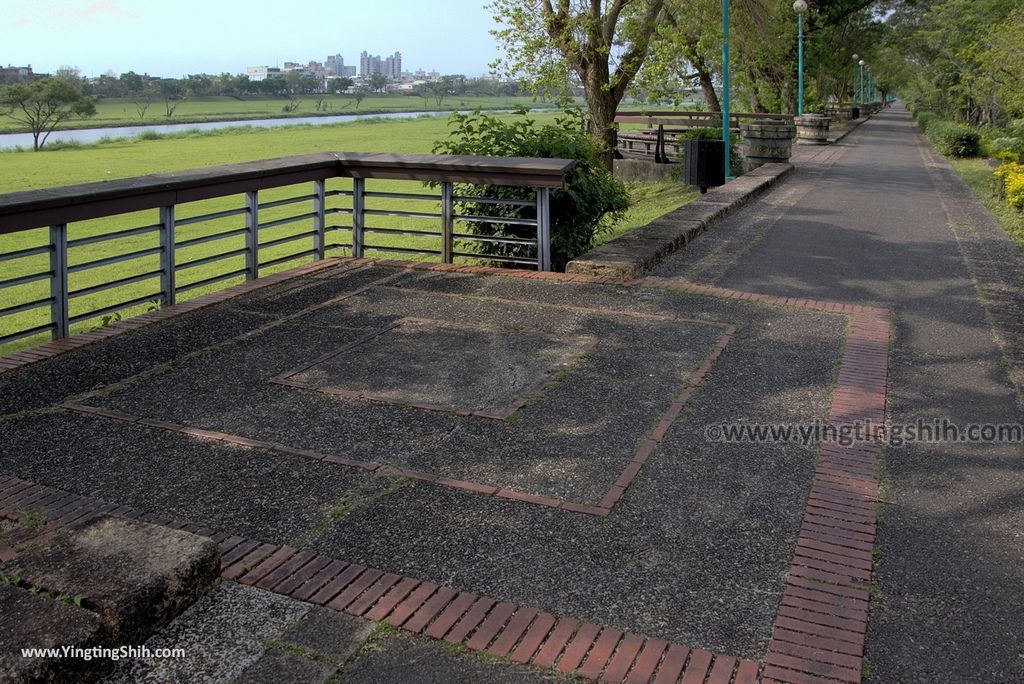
pixel 865 222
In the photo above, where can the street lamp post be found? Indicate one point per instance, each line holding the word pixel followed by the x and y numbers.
pixel 861 62
pixel 853 84
pixel 800 6
pixel 725 86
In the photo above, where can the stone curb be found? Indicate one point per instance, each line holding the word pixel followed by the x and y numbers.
pixel 633 253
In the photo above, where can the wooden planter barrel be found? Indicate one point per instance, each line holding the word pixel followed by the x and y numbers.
pixel 766 142
pixel 812 128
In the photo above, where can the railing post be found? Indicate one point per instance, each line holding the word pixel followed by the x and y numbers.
pixel 168 285
pixel 543 229
pixel 252 235
pixel 59 280
pixel 358 217
pixel 447 222
pixel 320 220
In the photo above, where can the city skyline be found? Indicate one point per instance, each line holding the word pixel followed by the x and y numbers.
pixel 98 36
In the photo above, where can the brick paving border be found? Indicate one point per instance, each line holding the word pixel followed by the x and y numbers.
pixel 819 632
pixel 519 633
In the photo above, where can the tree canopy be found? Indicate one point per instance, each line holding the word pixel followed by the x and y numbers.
pixel 44 104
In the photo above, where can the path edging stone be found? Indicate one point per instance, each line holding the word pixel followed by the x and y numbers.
pixel 630 255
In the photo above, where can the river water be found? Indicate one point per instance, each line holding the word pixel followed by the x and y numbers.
pixel 87 135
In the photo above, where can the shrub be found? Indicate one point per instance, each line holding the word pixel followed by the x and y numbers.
pixel 1011 177
pixel 591 201
pixel 925 117
pixel 1005 144
pixel 954 139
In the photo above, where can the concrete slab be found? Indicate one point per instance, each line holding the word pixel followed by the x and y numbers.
pixel 137 577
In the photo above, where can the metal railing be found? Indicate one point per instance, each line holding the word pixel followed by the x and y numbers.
pixel 88 251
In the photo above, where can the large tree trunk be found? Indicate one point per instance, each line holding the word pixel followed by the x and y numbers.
pixel 707 85
pixel 601 106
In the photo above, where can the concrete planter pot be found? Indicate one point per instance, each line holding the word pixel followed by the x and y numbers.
pixel 765 142
pixel 812 128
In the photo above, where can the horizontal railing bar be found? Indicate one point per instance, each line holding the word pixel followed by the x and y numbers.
pixel 495 200
pixel 396 212
pixel 27 252
pixel 290 219
pixel 211 280
pixel 114 307
pixel 213 216
pixel 57 206
pixel 288 238
pixel 403 250
pixel 499 240
pixel 337 210
pixel 403 195
pixel 210 259
pixel 402 231
pixel 287 200
pixel 489 257
pixel 28 332
pixel 81 292
pixel 22 280
pixel 338 245
pixel 290 257
pixel 338 193
pixel 18 308
pixel 210 238
pixel 328 229
pixel 470 218
pixel 103 237
pixel 118 258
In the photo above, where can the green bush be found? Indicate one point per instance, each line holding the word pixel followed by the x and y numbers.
pixel 954 139
pixel 591 201
pixel 1005 144
pixel 925 117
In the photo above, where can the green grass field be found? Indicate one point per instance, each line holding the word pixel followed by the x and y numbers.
pixel 135 157
pixel 123 112
pixel 978 175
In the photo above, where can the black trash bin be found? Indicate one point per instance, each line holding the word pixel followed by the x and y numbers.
pixel 855 113
pixel 704 163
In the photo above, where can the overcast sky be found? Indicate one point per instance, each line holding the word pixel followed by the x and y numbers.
pixel 172 38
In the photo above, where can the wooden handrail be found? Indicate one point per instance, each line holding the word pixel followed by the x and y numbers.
pixel 61 205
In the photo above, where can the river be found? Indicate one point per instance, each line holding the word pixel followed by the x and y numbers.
pixel 88 135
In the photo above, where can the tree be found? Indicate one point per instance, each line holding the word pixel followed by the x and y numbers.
pixel 171 90
pixel 378 82
pixel 359 94
pixel 438 90
pixel 339 84
pixel 143 98
pixel 604 43
pixel 43 105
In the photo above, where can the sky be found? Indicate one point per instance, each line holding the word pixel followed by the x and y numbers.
pixel 172 38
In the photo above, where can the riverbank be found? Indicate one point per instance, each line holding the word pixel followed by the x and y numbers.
pixel 124 113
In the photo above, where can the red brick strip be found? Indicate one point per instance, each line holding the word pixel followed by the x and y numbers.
pixel 500 628
pixel 823 617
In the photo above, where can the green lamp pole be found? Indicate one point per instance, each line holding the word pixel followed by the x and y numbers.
pixel 725 86
pixel 853 84
pixel 861 62
pixel 800 6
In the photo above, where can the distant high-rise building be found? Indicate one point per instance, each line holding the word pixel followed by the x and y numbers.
pixel 335 65
pixel 373 64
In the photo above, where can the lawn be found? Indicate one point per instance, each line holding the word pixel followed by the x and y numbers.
pixel 123 112
pixel 978 175
pixel 136 157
